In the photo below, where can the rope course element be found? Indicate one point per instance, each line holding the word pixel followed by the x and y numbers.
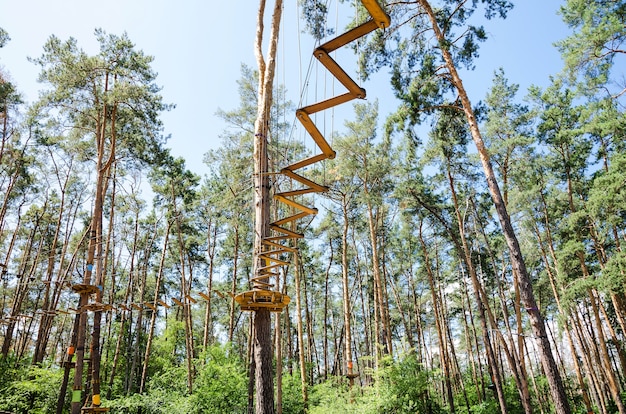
pixel 262 296
pixel 146 306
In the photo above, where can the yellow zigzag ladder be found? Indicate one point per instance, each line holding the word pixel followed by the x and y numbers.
pixel 261 296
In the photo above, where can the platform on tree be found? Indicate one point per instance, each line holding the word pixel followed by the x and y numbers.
pixel 258 299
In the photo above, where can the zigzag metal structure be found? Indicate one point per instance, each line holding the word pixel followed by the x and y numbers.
pixel 262 296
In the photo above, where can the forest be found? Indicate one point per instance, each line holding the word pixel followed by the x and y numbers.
pixel 465 256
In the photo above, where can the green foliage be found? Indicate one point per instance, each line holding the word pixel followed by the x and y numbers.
pixel 292 394
pixel 4 37
pixel 221 384
pixel 28 389
pixel 399 387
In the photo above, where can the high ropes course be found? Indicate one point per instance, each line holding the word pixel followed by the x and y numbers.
pixel 275 246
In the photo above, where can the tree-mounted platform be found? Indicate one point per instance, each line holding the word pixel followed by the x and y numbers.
pixel 89 410
pixel 84 289
pixel 258 299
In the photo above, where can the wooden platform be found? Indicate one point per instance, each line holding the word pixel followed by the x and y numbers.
pixel 89 410
pixel 254 300
pixel 85 289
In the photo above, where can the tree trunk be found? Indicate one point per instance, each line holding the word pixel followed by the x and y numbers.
pixel 555 383
pixel 443 349
pixel 346 294
pixel 303 378
pixel 157 288
pixel 262 321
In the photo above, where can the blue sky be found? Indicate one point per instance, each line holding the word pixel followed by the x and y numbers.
pixel 199 46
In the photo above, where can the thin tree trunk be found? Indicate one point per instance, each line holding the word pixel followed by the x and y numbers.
pixel 443 353
pixel 303 377
pixel 207 336
pixel 346 294
pixel 262 321
pixel 157 288
pixel 555 382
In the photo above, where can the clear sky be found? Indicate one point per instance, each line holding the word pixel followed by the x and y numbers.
pixel 199 46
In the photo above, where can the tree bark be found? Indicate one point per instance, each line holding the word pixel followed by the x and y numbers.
pixel 262 321
pixel 557 390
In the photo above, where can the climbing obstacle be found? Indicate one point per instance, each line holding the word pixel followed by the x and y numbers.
pixel 275 247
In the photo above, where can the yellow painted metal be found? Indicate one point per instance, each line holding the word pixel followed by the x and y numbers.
pixel 262 297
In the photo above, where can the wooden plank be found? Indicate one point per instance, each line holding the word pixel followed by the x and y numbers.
pixel 328 103
pixel 176 301
pixel 290 202
pixel 291 218
pixel 204 296
pixel 136 306
pixel 269 242
pixel 378 14
pixel 274 260
pixel 290 234
pixel 315 133
pixel 341 75
pixel 150 305
pixel 351 35
pixel 304 181
pixel 273 266
pixel 163 303
pixel 309 161
pixel 191 299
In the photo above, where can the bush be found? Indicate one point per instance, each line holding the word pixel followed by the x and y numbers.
pixel 30 389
